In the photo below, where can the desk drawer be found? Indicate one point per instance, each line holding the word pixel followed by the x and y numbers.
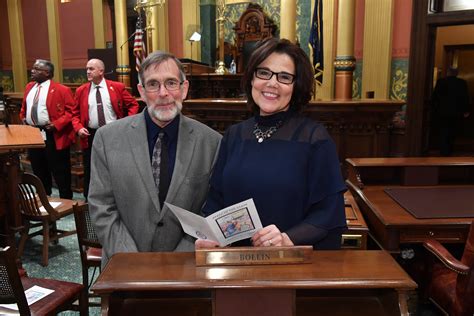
pixel 442 235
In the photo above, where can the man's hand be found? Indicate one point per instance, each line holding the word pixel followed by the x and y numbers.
pixel 83 133
pixel 50 127
pixel 205 244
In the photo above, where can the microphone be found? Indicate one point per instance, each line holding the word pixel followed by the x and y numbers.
pixel 128 39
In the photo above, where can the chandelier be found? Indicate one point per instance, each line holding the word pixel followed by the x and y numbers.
pixel 144 4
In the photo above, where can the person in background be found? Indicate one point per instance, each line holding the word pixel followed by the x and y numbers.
pixel 48 105
pixel 141 161
pixel 98 102
pixel 450 104
pixel 286 162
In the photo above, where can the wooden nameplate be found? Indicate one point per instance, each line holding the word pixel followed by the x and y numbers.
pixel 253 256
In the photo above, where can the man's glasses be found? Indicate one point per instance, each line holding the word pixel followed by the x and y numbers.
pixel 170 85
pixel 282 77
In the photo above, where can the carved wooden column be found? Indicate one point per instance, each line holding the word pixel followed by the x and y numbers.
pixel 344 64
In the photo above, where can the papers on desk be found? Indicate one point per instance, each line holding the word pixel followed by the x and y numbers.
pixel 33 294
pixel 231 224
pixel 53 204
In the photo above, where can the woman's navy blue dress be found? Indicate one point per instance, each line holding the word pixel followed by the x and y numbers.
pixel 293 177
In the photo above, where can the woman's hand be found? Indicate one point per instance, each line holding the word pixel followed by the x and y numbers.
pixel 271 236
pixel 205 244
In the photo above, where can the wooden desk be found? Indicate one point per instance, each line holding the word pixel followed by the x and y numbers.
pixel 389 223
pixel 357 231
pixel 12 139
pixel 334 282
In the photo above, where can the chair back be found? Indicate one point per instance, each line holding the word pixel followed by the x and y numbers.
pixel 11 288
pixel 465 283
pixel 32 196
pixel 253 26
pixel 468 254
pixel 86 235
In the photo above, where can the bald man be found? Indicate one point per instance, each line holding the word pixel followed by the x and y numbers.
pixel 97 103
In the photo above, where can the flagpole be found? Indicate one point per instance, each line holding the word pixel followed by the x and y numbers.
pixel 315 43
pixel 139 49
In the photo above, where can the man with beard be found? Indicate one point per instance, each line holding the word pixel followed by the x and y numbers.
pixel 98 102
pixel 47 105
pixel 141 161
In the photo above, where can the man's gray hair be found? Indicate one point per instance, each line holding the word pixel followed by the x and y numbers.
pixel 48 65
pixel 156 58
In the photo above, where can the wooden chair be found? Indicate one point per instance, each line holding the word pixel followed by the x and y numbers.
pixel 253 26
pixel 37 211
pixel 452 281
pixel 89 246
pixel 12 290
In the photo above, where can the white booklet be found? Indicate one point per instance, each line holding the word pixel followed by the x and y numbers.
pixel 33 294
pixel 231 224
pixel 53 204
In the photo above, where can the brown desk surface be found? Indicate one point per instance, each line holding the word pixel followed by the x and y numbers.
pixel 435 202
pixel 19 137
pixel 342 269
pixel 392 225
pixel 411 161
pixel 392 214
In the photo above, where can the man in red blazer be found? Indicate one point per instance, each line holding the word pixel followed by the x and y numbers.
pixel 48 106
pixel 97 103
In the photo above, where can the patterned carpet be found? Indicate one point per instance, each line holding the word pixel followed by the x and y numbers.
pixel 64 259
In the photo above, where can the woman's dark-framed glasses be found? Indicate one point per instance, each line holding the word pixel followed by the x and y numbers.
pixel 155 85
pixel 282 77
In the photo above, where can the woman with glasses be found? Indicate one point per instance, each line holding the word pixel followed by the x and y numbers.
pixel 286 162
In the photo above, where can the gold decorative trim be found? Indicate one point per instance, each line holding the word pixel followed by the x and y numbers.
pixel 344 64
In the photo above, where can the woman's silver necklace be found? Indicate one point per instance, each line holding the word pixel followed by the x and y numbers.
pixel 262 135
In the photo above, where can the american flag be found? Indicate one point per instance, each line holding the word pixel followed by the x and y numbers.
pixel 139 49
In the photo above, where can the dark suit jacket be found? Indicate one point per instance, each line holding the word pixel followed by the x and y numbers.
pixel 123 104
pixel 59 103
pixel 451 97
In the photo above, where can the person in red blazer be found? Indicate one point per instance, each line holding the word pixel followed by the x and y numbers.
pixel 48 106
pixel 97 103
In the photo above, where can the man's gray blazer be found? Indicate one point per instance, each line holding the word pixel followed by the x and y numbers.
pixel 123 199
